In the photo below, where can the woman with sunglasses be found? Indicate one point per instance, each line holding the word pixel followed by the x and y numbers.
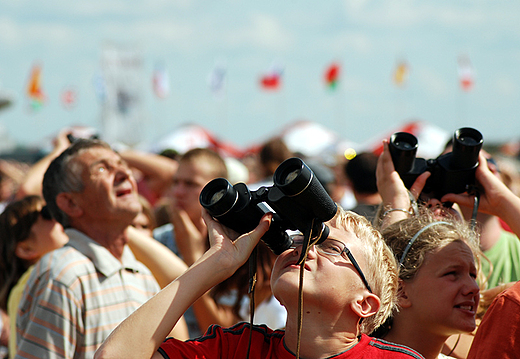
pixel 27 232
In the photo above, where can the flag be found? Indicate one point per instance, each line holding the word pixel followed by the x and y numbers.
pixel 100 86
pixel 465 71
pixel 401 73
pixel 69 97
pixel 34 89
pixel 272 79
pixel 216 79
pixel 161 82
pixel 332 75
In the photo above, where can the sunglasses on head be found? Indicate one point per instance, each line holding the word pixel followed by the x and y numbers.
pixel 46 213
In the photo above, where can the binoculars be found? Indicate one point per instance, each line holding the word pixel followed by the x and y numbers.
pixel 452 172
pixel 297 200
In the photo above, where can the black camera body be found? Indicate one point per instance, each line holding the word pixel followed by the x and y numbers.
pixel 297 200
pixel 452 172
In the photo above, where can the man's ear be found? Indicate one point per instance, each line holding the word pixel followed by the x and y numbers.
pixel 67 203
pixel 367 305
pixel 402 295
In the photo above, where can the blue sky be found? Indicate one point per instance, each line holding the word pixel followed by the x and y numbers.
pixel 190 36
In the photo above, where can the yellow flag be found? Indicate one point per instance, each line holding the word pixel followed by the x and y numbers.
pixel 401 73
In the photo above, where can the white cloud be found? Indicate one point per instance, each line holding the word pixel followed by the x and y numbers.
pixel 505 86
pixel 10 33
pixel 16 34
pixel 408 13
pixel 257 30
pixel 266 31
pixel 93 8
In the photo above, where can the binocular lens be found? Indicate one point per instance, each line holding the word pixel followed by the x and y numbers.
pixel 403 145
pixel 217 197
pixel 468 141
pixel 404 141
pixel 291 176
pixel 467 136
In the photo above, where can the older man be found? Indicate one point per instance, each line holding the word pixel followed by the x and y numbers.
pixel 77 294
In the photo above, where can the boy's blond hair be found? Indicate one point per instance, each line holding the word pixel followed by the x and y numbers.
pixel 381 269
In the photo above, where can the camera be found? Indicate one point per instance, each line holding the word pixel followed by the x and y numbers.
pixel 297 200
pixel 452 172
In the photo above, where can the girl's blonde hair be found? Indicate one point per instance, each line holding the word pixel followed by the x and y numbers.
pixel 412 239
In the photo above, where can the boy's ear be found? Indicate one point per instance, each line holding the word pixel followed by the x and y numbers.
pixel 367 305
pixel 25 251
pixel 402 295
pixel 67 203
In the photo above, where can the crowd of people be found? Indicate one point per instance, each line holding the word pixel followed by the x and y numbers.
pixel 109 254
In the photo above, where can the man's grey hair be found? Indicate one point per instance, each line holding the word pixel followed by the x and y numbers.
pixel 64 175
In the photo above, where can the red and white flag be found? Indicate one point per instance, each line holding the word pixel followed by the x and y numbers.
pixel 161 82
pixel 69 97
pixel 272 79
pixel 465 71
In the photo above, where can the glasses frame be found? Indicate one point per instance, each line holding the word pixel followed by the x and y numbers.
pixel 345 250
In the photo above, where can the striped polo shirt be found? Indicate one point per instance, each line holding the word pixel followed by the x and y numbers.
pixel 76 296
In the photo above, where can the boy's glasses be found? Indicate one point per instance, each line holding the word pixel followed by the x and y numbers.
pixel 332 247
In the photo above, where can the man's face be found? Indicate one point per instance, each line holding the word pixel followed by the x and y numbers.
pixel 328 279
pixel 110 190
pixel 189 180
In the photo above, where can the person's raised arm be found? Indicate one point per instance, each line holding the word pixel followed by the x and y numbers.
pixel 32 182
pixel 192 243
pixel 158 170
pixel 495 198
pixel 162 262
pixel 141 334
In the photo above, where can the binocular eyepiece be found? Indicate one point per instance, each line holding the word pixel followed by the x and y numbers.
pixel 452 172
pixel 297 200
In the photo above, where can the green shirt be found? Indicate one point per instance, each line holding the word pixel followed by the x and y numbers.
pixel 505 257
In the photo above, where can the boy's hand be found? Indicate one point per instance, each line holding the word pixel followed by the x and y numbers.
pixel 234 249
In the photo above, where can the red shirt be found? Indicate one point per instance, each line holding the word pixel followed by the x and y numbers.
pixel 232 343
pixel 498 335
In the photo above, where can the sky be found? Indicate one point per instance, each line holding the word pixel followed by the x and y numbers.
pixel 190 37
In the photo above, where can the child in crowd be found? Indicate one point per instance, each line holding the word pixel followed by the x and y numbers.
pixel 344 299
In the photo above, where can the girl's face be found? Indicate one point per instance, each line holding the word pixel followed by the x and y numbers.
pixel 444 294
pixel 46 235
pixel 142 223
